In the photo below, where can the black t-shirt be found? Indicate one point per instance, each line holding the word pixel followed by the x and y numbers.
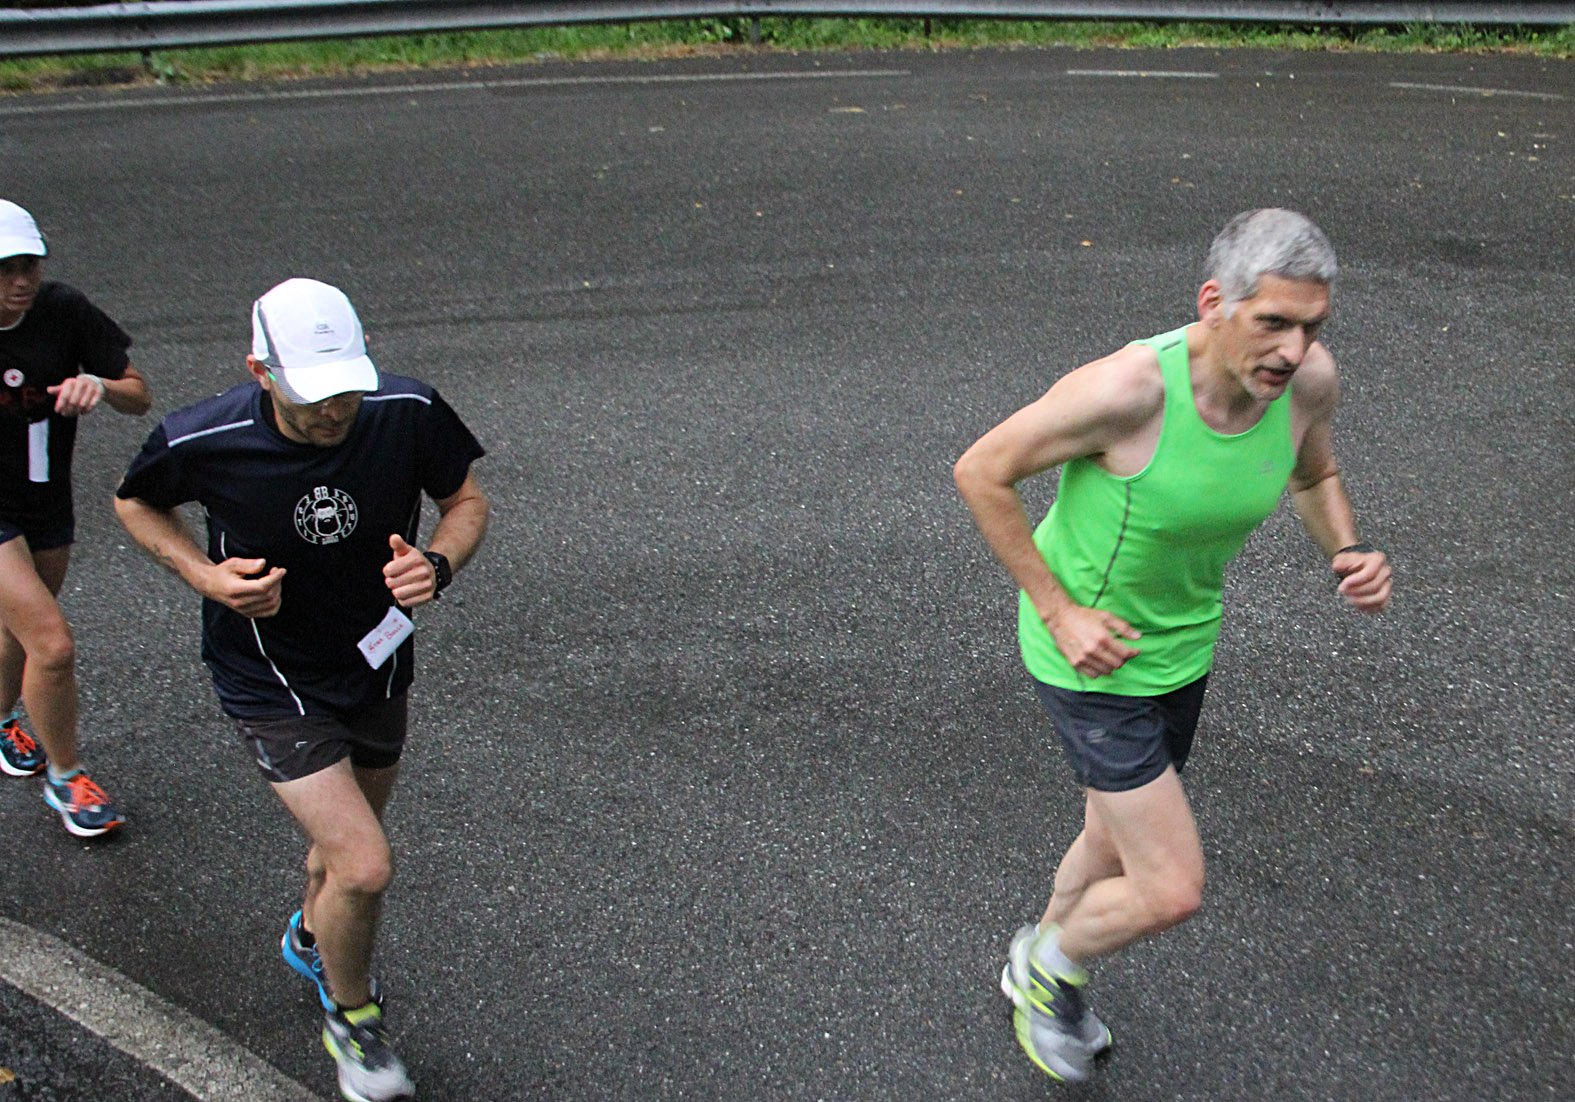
pixel 325 515
pixel 62 335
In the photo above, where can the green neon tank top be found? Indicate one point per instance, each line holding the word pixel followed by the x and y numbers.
pixel 1152 548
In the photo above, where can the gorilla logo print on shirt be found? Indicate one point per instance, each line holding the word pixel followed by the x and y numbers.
pixel 325 516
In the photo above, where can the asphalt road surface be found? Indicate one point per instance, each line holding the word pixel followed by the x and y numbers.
pixel 725 780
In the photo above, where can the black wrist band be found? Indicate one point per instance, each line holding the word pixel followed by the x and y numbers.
pixel 1358 548
pixel 442 573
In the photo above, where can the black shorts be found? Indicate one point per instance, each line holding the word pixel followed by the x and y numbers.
pixel 293 747
pixel 40 537
pixel 1118 743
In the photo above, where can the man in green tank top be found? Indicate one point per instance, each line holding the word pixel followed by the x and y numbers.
pixel 1172 450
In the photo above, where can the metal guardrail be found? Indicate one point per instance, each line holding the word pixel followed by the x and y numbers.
pixel 169 24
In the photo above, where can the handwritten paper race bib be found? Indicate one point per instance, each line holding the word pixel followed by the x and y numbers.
pixel 384 639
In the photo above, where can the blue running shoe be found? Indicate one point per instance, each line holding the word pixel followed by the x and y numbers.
pixel 20 754
pixel 305 960
pixel 84 807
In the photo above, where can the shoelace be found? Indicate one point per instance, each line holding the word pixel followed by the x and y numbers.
pixel 19 738
pixel 314 961
pixel 85 793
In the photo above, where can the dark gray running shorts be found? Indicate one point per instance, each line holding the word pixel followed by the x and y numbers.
pixel 1118 743
pixel 293 747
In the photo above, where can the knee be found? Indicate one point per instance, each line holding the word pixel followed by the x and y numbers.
pixel 53 650
pixel 366 872
pixel 1173 902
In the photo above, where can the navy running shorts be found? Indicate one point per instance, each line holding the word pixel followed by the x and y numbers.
pixel 45 537
pixel 1118 743
pixel 293 747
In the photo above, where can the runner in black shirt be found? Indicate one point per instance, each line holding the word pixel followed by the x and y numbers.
pixel 60 356
pixel 312 480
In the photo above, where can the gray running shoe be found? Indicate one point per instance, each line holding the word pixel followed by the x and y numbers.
pixel 1096 1034
pixel 369 1069
pixel 1059 1034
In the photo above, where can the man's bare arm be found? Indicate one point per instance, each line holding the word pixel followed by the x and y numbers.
pixel 462 523
pixel 1084 414
pixel 245 585
pixel 1321 502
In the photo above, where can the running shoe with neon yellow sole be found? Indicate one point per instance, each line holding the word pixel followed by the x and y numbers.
pixel 84 807
pixel 1054 1027
pixel 308 962
pixel 1096 1034
pixel 369 1069
pixel 20 754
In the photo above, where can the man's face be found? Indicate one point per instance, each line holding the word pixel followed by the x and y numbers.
pixel 1266 337
pixel 19 280
pixel 326 423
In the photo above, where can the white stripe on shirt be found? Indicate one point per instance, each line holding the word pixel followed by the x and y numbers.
pixel 262 650
pixel 210 432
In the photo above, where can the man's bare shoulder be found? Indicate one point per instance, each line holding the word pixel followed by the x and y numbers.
pixel 1123 390
pixel 1090 410
pixel 1316 384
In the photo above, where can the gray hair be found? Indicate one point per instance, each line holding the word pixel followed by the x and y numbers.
pixel 1270 241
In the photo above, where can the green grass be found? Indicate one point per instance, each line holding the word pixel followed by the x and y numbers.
pixel 683 37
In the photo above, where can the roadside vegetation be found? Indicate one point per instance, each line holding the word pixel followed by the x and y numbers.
pixel 678 38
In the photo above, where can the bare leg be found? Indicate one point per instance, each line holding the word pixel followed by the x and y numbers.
pixel 12 657
pixel 1159 882
pixel 1090 858
pixel 52 571
pixel 37 652
pixel 376 785
pixel 348 868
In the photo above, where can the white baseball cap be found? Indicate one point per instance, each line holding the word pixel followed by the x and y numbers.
pixel 308 334
pixel 19 234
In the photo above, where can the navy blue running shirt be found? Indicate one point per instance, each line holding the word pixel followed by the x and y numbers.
pixel 61 335
pixel 325 515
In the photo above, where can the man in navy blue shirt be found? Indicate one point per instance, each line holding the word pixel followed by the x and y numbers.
pixel 61 357
pixel 312 480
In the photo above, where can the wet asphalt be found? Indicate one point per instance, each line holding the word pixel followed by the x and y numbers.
pixel 725 779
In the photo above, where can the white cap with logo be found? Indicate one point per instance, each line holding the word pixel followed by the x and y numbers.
pixel 19 234
pixel 308 334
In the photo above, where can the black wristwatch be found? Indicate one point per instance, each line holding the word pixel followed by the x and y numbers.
pixel 441 570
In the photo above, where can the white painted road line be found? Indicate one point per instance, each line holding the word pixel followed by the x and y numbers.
pixel 451 86
pixel 190 1053
pixel 1160 74
pixel 1461 90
